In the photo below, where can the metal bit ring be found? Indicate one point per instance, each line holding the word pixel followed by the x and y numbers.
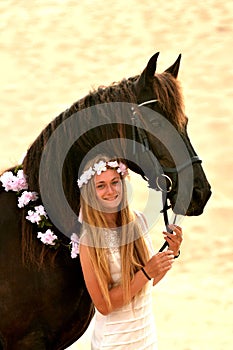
pixel 162 189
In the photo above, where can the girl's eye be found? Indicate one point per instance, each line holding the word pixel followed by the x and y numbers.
pixel 116 182
pixel 100 187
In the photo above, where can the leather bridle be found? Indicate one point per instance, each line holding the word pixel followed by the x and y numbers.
pixel 143 139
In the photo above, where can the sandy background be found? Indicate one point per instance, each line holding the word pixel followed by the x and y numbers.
pixel 54 52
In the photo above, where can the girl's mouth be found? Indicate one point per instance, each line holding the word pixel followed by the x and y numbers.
pixel 110 199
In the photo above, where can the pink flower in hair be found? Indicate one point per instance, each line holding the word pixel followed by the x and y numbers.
pixel 74 245
pixel 37 215
pixel 33 217
pixel 48 237
pixel 7 180
pixel 22 180
pixel 26 197
pixel 41 211
pixel 123 170
pixel 14 183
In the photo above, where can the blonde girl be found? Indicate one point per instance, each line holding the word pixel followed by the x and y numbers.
pixel 117 258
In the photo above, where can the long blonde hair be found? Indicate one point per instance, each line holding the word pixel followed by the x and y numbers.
pixel 133 250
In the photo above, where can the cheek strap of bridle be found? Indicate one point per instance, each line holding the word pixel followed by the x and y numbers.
pixel 136 127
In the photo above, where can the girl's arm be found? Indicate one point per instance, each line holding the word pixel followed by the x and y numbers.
pixel 156 267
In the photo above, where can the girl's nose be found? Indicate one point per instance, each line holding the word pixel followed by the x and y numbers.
pixel 110 189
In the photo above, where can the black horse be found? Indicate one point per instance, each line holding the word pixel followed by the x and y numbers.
pixel 43 300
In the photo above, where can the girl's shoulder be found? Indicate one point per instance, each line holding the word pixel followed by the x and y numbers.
pixel 142 219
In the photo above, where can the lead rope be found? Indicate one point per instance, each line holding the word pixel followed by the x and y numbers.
pixel 166 207
pixel 166 221
pixel 165 190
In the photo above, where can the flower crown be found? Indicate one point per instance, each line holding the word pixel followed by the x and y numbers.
pixel 99 167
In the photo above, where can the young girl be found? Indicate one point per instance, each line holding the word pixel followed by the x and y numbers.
pixel 118 261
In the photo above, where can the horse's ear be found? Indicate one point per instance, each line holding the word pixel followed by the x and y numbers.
pixel 146 78
pixel 151 66
pixel 174 69
pixel 147 75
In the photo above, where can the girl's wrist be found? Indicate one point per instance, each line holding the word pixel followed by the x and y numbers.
pixel 176 254
pixel 146 274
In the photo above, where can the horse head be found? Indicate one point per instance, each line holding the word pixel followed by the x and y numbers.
pixel 168 138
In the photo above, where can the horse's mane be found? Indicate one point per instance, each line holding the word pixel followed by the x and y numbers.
pixel 121 92
pixel 166 89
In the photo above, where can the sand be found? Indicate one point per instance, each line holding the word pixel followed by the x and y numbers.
pixel 54 52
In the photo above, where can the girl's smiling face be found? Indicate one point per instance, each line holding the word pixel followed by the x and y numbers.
pixel 108 187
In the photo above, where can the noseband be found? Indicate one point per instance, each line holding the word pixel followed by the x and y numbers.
pixel 179 168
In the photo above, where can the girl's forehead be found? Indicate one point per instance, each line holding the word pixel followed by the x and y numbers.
pixel 107 175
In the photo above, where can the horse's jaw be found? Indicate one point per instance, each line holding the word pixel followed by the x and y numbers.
pixel 195 207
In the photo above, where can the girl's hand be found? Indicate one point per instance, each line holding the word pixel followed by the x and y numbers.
pixel 159 264
pixel 174 239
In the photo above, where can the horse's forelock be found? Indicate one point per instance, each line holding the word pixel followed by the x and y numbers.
pixel 168 91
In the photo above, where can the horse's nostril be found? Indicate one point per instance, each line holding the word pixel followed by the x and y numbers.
pixel 197 194
pixel 200 196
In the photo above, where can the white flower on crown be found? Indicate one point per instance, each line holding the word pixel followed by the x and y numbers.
pixel 113 164
pixel 85 177
pixel 99 167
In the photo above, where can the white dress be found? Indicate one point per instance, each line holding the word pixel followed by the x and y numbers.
pixel 131 327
